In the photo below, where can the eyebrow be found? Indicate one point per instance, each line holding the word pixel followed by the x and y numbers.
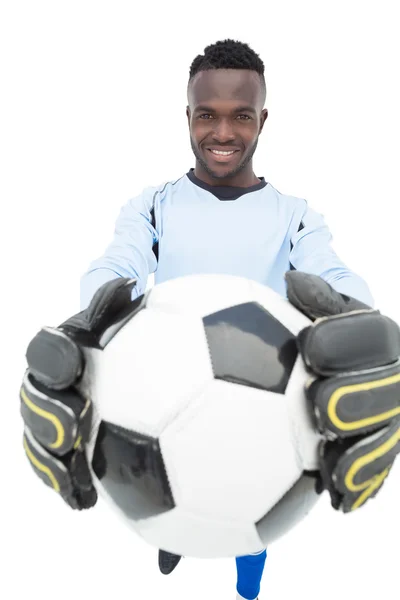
pixel 208 109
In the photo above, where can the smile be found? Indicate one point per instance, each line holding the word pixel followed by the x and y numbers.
pixel 222 156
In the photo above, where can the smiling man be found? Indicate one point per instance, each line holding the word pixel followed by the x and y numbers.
pixel 219 217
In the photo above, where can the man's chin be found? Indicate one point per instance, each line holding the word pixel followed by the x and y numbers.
pixel 221 174
pixel 221 171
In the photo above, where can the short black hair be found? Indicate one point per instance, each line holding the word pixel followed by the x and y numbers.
pixel 229 54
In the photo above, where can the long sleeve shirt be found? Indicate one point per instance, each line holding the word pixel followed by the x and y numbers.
pixel 187 227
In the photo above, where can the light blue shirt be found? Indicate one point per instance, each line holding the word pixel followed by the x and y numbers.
pixel 254 232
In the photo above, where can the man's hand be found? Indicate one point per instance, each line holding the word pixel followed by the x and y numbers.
pixel 57 417
pixel 353 355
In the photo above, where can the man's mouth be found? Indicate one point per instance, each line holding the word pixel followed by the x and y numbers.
pixel 222 155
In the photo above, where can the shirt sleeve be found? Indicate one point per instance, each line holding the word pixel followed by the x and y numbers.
pixel 130 253
pixel 311 252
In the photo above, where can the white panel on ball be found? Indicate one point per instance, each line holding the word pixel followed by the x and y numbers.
pixel 188 534
pixel 305 437
pixel 144 379
pixel 200 294
pixel 229 455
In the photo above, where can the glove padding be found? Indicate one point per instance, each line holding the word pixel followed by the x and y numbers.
pixel 353 355
pixel 57 417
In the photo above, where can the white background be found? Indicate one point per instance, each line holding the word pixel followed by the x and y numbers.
pixel 92 111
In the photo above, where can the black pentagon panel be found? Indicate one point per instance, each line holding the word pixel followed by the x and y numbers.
pixel 251 347
pixel 132 471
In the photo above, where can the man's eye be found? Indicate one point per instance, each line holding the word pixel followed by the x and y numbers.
pixel 205 116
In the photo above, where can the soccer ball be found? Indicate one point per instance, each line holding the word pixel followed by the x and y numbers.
pixel 203 441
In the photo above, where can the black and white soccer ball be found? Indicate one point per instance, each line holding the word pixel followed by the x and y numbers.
pixel 203 442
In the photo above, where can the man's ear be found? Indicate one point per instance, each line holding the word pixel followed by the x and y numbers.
pixel 264 117
pixel 188 115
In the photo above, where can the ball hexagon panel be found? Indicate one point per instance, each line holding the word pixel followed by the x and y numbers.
pixel 189 534
pixel 200 295
pixel 305 436
pixel 129 392
pixel 249 346
pixel 221 453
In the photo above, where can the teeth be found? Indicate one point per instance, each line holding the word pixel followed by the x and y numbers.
pixel 222 153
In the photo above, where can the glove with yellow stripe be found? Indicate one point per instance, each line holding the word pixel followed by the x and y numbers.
pixel 57 417
pixel 353 355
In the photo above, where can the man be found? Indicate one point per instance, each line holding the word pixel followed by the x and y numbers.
pixel 219 218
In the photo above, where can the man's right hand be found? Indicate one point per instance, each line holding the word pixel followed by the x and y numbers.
pixel 57 417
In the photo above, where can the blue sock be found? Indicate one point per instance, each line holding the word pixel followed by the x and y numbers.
pixel 250 569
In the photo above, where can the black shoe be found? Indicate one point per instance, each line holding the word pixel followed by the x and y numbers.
pixel 167 561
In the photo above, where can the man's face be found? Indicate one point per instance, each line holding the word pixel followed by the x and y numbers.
pixel 225 113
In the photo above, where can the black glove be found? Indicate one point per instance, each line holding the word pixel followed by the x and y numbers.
pixel 57 417
pixel 353 355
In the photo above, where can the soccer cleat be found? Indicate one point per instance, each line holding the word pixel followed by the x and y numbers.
pixel 167 561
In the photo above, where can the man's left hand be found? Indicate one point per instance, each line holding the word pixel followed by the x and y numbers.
pixel 353 355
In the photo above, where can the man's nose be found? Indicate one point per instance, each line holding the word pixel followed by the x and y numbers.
pixel 223 131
